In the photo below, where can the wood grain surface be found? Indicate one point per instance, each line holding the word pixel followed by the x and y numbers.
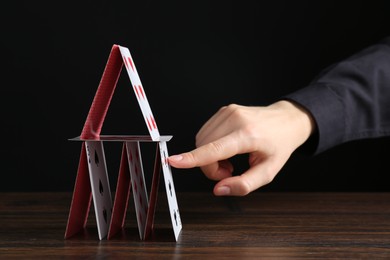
pixel 262 225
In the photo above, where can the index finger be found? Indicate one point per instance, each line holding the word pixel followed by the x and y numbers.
pixel 215 151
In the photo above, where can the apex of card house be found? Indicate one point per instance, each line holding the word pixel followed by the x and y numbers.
pixel 92 181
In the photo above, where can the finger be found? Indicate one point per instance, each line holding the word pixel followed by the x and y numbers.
pixel 218 150
pixel 218 170
pixel 252 179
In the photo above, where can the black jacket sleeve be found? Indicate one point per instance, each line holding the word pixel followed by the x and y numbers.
pixel 350 100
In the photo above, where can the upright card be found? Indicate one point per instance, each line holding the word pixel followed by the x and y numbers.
pixel 122 195
pixel 153 194
pixel 140 93
pixel 100 185
pixel 170 190
pixel 138 185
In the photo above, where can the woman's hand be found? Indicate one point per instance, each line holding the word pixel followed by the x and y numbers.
pixel 268 134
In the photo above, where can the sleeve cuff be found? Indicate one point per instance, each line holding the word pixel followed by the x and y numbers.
pixel 328 113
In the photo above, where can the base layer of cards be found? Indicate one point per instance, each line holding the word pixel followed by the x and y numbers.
pixel 92 180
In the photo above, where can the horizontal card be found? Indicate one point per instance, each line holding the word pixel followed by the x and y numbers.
pixel 124 138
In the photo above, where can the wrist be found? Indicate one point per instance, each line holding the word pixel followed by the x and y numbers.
pixel 300 119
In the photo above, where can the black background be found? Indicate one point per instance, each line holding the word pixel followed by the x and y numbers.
pixel 193 57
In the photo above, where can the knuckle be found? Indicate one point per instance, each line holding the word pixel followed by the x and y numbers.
pixel 246 188
pixel 249 130
pixel 232 107
pixel 234 111
pixel 216 147
pixel 192 158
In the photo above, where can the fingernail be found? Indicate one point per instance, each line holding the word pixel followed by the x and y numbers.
pixel 176 158
pixel 222 191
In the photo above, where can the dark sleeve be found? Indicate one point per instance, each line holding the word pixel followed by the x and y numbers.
pixel 350 100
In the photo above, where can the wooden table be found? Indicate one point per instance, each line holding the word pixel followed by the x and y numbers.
pixel 261 225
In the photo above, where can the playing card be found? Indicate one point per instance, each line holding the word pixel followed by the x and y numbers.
pixel 81 199
pixel 101 102
pixel 140 93
pixel 123 138
pixel 153 194
pixel 170 190
pixel 100 186
pixel 138 184
pixel 121 196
